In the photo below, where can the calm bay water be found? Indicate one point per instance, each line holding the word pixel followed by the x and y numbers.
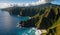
pixel 8 25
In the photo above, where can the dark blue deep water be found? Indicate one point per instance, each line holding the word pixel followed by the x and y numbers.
pixel 8 24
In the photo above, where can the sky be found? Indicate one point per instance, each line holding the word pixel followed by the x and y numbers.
pixel 18 1
pixel 25 1
pixel 56 2
pixel 4 3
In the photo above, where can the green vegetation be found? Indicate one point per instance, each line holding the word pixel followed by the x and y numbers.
pixel 48 16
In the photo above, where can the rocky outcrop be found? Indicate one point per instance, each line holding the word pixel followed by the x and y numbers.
pixel 29 23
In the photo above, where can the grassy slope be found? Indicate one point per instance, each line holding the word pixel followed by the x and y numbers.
pixel 56 23
pixel 58 28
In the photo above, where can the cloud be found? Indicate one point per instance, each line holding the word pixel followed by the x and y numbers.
pixel 4 5
pixel 48 0
pixel 38 2
pixel 41 2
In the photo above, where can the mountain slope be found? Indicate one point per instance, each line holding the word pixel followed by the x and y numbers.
pixel 29 11
pixel 46 16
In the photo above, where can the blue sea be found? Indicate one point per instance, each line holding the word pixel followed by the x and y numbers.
pixel 8 25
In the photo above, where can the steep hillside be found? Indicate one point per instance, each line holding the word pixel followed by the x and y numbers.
pixel 29 11
pixel 46 16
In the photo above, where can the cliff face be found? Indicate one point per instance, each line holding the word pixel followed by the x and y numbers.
pixel 47 17
pixel 29 11
pixel 48 14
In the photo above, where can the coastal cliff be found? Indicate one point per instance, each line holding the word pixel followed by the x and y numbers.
pixel 29 11
pixel 47 14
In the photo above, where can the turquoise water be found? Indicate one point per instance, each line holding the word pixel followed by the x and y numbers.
pixel 23 18
pixel 26 31
pixel 8 25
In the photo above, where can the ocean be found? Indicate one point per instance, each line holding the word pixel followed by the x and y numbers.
pixel 8 25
